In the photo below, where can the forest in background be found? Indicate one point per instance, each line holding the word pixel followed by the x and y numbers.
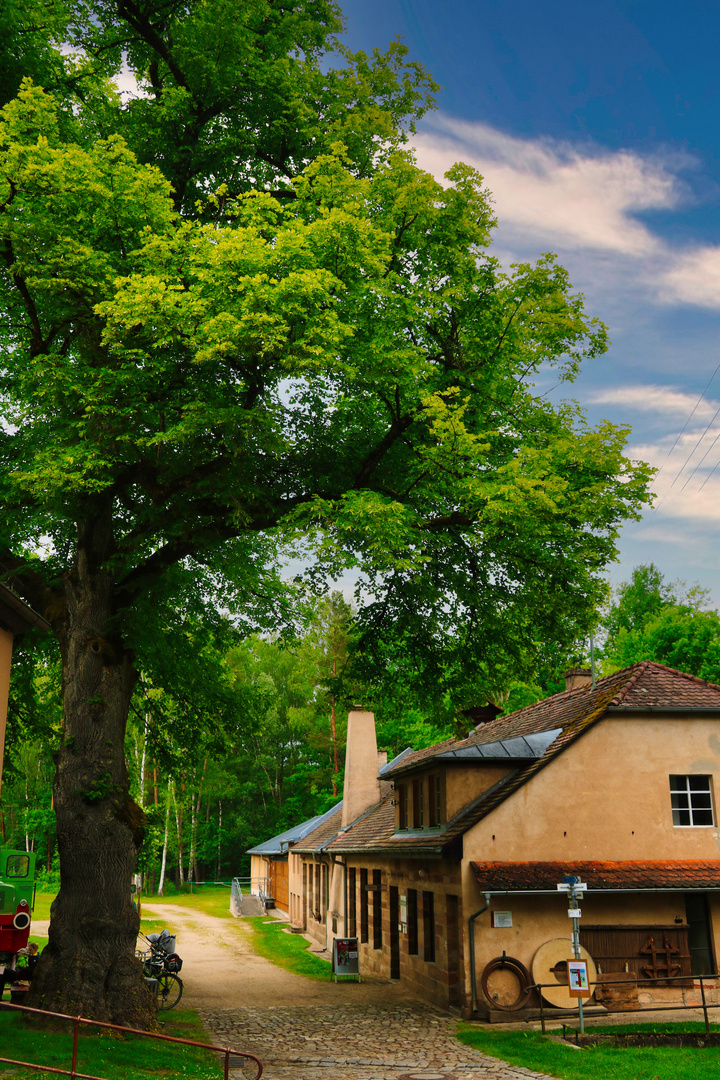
pixel 244 737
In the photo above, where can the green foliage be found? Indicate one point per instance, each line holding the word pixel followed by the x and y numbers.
pixel 656 620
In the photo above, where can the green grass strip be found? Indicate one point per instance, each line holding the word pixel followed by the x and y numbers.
pixel 289 951
pixel 111 1056
pixel 531 1050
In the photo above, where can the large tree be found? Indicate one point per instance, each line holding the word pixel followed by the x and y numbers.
pixel 236 315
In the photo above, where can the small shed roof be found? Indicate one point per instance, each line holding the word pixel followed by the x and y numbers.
pixel 16 616
pixel 278 845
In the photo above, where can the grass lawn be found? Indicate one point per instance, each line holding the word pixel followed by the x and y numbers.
pixel 212 899
pixel 134 1058
pixel 531 1050
pixel 289 951
pixel 43 900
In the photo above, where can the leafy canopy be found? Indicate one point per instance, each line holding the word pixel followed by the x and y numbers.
pixel 238 317
pixel 653 619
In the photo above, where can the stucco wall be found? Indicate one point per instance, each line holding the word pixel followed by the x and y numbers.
pixel 536 920
pixel 463 783
pixel 608 797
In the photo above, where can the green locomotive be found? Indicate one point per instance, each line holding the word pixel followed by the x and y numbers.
pixel 17 893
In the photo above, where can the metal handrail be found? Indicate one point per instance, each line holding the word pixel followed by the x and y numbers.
pixel 227 1051
pixel 236 891
pixel 600 978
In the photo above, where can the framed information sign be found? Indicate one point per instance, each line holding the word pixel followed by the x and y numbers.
pixel 345 957
pixel 578 985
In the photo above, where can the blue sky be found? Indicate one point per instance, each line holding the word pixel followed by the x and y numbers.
pixel 595 125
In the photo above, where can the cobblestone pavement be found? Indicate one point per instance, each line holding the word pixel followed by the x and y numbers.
pixel 356 1042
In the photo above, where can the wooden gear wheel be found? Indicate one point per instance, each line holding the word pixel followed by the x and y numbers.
pixel 550 966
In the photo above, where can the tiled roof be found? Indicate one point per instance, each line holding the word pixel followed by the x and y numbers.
pixel 320 837
pixel 646 685
pixel 566 716
pixel 693 874
pixel 654 686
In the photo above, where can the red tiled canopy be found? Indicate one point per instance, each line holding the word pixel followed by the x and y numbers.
pixel 610 876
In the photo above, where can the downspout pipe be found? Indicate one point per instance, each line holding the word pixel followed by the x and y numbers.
pixel 471 931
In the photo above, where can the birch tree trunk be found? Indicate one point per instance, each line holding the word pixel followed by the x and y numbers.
pixel 163 864
pixel 179 825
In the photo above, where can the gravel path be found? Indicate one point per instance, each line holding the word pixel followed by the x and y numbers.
pixel 302 1029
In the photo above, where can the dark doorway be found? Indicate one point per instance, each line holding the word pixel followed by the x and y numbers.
pixel 696 913
pixel 394 933
pixel 453 949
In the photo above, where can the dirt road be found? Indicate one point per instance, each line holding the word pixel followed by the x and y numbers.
pixel 221 970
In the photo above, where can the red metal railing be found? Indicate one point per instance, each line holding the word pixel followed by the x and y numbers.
pixel 76 1021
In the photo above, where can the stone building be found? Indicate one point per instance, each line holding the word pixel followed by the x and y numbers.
pixel 452 856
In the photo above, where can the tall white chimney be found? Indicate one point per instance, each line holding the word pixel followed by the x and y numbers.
pixel 362 786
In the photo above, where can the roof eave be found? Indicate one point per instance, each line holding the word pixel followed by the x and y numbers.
pixel 596 891
pixel 666 710
pixel 16 615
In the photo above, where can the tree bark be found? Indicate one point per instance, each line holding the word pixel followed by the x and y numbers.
pixel 164 859
pixel 219 847
pixel 89 966
pixel 180 879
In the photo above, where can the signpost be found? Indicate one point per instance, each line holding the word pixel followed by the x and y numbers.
pixel 578 983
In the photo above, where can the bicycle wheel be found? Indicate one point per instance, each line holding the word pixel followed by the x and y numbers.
pixel 169 990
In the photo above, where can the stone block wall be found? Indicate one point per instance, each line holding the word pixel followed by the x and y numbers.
pixel 439 980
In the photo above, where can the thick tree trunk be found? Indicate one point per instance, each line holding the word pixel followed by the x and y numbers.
pixel 89 966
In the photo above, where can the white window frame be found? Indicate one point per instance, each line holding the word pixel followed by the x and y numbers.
pixel 680 790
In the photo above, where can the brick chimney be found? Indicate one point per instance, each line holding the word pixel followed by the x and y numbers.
pixel 576 677
pixel 362 786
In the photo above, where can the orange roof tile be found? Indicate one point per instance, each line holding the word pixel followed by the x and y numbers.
pixel 524 876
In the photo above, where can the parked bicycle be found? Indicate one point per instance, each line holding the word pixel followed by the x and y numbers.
pixel 161 965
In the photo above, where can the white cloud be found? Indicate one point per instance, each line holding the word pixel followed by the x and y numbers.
pixel 585 201
pixel 687 484
pixel 665 400
pixel 694 278
pixel 663 533
pixel 554 192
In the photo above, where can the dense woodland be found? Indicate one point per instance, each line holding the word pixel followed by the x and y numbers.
pixel 247 737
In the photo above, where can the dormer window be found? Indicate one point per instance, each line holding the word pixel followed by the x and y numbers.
pixel 434 801
pixel 402 807
pixel 417 789
pixel 420 803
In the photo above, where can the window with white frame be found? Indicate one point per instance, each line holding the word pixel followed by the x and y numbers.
pixel 691 800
